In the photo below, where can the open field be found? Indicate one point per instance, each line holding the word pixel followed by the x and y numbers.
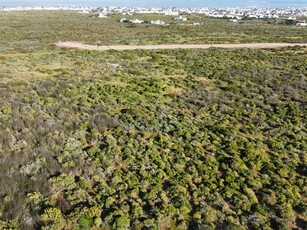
pixel 82 46
pixel 151 139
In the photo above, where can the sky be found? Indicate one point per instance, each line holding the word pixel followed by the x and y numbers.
pixel 158 3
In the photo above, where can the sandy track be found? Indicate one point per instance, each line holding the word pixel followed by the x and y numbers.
pixel 79 45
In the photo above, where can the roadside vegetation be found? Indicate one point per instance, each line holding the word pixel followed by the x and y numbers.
pixel 170 139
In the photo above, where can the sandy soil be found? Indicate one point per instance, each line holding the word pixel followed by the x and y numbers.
pixel 79 45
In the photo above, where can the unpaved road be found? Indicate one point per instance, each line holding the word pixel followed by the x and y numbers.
pixel 79 45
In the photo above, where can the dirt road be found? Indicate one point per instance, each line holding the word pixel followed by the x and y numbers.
pixel 79 45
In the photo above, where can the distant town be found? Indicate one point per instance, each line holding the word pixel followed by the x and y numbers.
pixel 233 14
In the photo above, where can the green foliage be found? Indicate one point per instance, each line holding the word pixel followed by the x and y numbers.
pixel 121 222
pixel 52 216
pixel 169 139
pixel 86 222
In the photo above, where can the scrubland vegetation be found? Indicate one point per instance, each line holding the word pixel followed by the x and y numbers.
pixel 32 31
pixel 182 139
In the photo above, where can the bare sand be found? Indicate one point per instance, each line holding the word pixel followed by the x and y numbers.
pixel 79 45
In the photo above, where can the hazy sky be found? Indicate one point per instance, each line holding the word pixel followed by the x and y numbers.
pixel 178 3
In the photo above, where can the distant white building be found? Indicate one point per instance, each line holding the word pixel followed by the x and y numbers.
pixel 253 16
pixel 301 23
pixel 291 18
pixel 216 15
pixel 180 18
pixel 157 22
pixel 171 13
pixel 6 9
pixel 102 15
pixel 128 13
pixel 231 16
pixel 137 21
pixel 123 20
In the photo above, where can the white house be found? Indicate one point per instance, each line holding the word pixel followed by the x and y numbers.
pixel 128 13
pixel 102 15
pixel 291 18
pixel 137 21
pixel 230 16
pixel 171 13
pixel 123 20
pixel 301 23
pixel 180 18
pixel 253 16
pixel 216 15
pixel 157 22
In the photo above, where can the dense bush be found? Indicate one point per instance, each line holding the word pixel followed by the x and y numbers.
pixel 182 139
